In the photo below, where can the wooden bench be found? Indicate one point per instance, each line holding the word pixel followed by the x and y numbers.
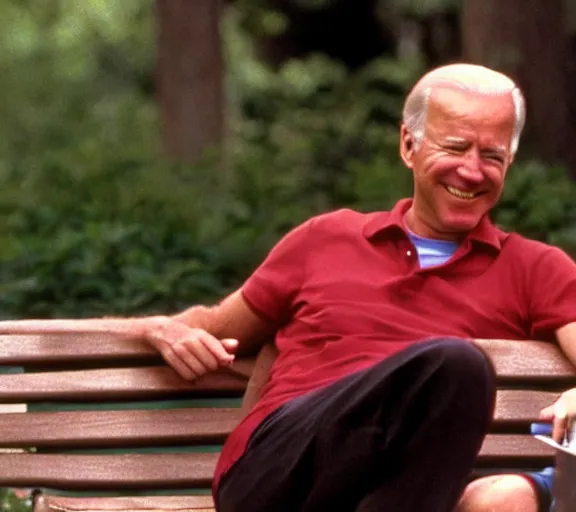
pixel 41 450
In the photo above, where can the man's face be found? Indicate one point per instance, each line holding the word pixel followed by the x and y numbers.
pixel 460 165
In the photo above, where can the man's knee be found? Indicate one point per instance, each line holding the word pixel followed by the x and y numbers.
pixel 499 493
pixel 458 351
pixel 464 359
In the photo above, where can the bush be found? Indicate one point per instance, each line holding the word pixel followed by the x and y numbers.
pixel 10 503
pixel 538 201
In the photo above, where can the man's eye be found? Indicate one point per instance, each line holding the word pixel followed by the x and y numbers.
pixel 496 158
pixel 456 149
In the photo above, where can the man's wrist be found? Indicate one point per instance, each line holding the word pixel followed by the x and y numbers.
pixel 141 328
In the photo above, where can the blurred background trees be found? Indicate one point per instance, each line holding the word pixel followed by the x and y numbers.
pixel 152 152
pixel 190 76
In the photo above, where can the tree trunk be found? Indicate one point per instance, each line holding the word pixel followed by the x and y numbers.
pixel 190 77
pixel 527 40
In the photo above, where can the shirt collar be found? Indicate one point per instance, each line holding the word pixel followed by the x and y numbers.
pixel 380 222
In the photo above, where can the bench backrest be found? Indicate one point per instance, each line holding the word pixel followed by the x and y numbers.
pixel 105 371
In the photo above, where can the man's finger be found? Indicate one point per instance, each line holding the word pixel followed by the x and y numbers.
pixel 178 365
pixel 560 420
pixel 230 344
pixel 547 414
pixel 215 346
pixel 190 359
pixel 196 348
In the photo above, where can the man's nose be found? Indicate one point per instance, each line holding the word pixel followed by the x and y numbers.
pixel 470 169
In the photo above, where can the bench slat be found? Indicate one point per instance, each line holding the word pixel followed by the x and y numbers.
pixel 527 360
pixel 520 451
pixel 195 470
pixel 144 382
pixel 108 472
pixel 111 429
pixel 524 359
pixel 61 351
pixel 51 503
pixel 72 348
pixel 69 429
pixel 116 384
pixel 519 406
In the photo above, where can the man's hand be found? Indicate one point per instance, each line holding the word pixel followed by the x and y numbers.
pixel 190 351
pixel 561 413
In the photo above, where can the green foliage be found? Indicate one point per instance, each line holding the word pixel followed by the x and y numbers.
pixel 538 201
pixel 122 240
pixel 72 77
pixel 10 503
pixel 322 131
pixel 93 221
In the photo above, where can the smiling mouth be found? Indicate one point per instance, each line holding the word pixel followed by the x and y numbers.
pixel 461 193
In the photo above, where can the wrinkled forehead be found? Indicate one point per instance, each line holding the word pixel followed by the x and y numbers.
pixel 453 108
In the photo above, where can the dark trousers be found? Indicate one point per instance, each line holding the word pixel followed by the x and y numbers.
pixel 400 436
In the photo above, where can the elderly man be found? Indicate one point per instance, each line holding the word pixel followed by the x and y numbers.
pixel 379 398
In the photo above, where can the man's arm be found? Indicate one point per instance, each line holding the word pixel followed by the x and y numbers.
pixel 566 337
pixel 231 318
pixel 272 291
pixel 194 342
pixel 201 339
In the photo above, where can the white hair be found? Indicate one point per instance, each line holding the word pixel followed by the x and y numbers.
pixel 469 77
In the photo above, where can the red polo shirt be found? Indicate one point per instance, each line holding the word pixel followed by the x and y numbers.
pixel 345 291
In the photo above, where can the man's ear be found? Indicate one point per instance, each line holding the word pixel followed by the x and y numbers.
pixel 407 147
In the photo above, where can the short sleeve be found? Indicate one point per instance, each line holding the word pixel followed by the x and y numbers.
pixel 271 290
pixel 552 293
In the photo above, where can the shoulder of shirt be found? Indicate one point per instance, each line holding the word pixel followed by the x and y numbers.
pixel 344 219
pixel 532 250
